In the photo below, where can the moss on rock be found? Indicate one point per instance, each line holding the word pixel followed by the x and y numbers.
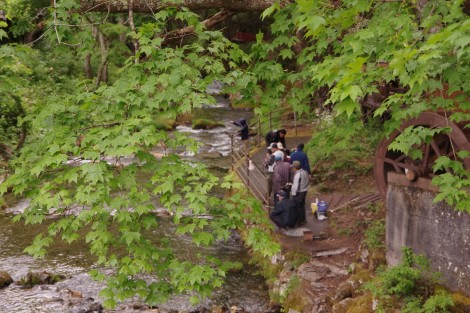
pixel 377 258
pixel 362 304
pixel 164 124
pixel 38 278
pixel 202 123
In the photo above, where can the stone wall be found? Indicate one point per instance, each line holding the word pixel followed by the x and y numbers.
pixel 435 230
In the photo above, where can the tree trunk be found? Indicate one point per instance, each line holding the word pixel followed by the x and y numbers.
pixel 122 36
pixel 149 6
pixel 87 66
pixel 102 70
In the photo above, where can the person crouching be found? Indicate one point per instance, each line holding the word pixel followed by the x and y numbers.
pixel 284 213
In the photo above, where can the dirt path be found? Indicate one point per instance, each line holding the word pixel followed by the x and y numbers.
pixel 337 240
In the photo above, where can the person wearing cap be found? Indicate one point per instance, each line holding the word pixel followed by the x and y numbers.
pixel 270 158
pixel 284 214
pixel 299 190
pixel 281 175
pixel 276 136
pixel 301 156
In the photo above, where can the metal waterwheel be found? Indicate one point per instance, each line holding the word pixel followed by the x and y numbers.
pixel 441 145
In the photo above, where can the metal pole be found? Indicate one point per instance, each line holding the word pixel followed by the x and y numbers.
pixel 231 151
pixel 247 171
pixel 295 123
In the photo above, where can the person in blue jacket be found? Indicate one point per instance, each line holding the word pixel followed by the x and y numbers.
pixel 299 155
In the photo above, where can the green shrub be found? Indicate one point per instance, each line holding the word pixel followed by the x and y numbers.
pixel 375 235
pixel 412 281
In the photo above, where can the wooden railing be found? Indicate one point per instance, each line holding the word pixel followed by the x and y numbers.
pixel 255 178
pixel 277 119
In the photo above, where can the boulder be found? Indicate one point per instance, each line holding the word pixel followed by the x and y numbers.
pixel 5 279
pixel 39 278
pixel 202 123
pixel 210 155
pixel 345 290
pixel 164 124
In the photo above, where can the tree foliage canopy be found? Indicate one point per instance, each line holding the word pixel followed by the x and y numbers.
pixel 316 53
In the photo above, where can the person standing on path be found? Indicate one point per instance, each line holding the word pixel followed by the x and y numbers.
pixel 281 175
pixel 299 190
pixel 301 156
pixel 276 136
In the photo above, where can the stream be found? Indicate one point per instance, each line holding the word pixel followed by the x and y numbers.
pixel 78 293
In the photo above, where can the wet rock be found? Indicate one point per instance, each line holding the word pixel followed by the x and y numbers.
pixel 5 279
pixel 164 124
pixel 202 123
pixel 210 155
pixel 39 278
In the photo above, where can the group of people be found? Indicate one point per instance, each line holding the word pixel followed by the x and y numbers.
pixel 290 176
pixel 290 180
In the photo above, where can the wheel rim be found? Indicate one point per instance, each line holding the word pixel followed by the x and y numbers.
pixel 442 144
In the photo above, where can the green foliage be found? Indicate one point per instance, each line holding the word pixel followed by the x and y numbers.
pixel 74 163
pixel 319 54
pixel 414 282
pixel 23 14
pixel 345 141
pixel 453 184
pixel 297 258
pixel 344 52
pixel 375 235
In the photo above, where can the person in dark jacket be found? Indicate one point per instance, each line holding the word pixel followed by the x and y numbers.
pixel 299 155
pixel 244 133
pixel 284 214
pixel 276 136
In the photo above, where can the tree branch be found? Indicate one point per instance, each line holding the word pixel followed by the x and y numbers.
pixel 149 6
pixel 208 23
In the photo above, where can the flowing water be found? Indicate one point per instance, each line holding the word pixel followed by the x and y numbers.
pixel 79 293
